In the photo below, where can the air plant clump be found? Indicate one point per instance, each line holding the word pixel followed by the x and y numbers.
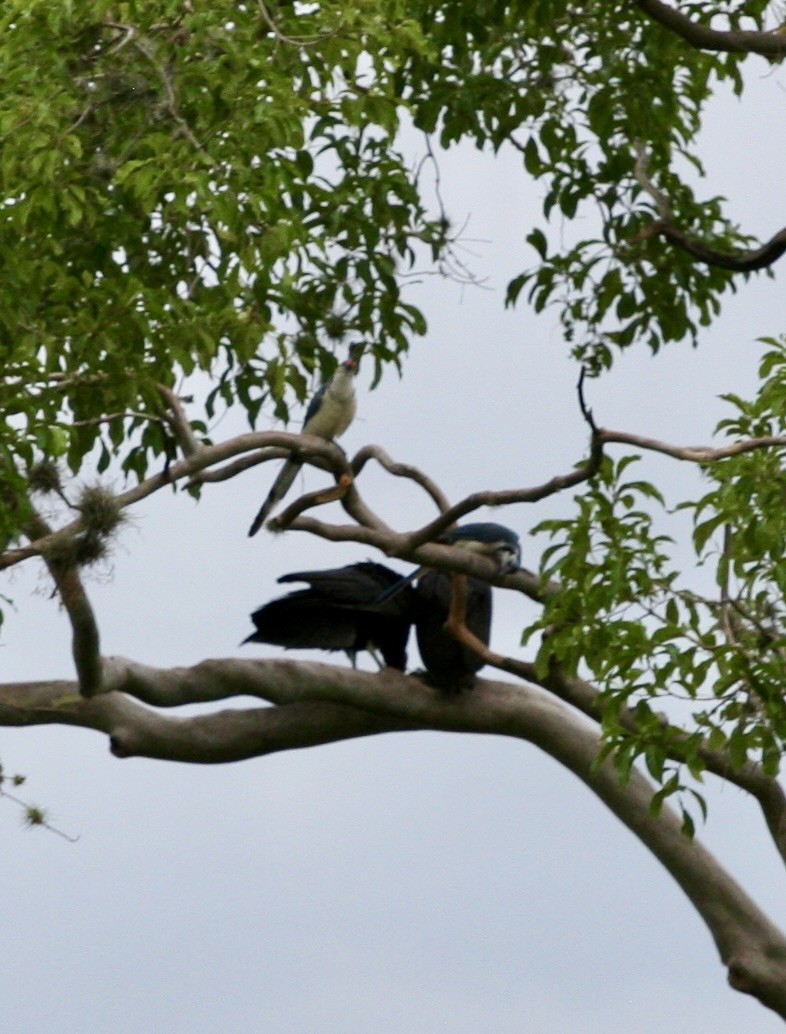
pixel 101 516
pixel 78 550
pixel 44 477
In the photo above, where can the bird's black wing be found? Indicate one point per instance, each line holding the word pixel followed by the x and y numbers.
pixel 356 585
pixel 303 621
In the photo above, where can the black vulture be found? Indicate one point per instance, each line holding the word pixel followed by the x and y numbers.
pixel 329 414
pixel 340 610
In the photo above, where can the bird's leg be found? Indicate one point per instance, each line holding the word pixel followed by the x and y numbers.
pixel 378 659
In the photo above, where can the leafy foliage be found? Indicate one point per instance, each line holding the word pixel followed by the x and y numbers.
pixel 186 189
pixel 708 645
pixel 223 190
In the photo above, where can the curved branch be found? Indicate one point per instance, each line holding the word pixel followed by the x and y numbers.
pixel 583 472
pixel 586 698
pixel 311 449
pixel 767 44
pixel 738 261
pixel 402 470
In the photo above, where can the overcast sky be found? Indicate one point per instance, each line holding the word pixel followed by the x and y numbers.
pixel 414 882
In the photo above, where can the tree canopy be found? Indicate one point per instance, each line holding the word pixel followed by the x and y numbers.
pixel 213 201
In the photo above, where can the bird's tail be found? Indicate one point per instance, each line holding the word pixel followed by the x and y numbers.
pixel 281 486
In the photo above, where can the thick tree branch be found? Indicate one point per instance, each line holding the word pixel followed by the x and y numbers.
pixel 586 698
pixel 767 44
pixel 316 700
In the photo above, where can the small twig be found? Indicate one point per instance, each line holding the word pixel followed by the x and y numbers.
pixel 128 414
pixel 293 41
pixel 586 412
pixel 147 51
pixel 36 817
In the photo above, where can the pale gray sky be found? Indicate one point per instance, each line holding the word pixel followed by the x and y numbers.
pixel 417 882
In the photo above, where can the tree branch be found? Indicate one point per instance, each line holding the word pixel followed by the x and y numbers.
pixel 85 639
pixel 767 44
pixel 319 702
pixel 738 261
pixel 404 470
pixel 177 420
pixel 691 453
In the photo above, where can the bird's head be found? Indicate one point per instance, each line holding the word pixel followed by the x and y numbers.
pixel 488 539
pixel 352 362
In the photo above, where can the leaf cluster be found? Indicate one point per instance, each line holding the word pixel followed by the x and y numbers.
pixel 705 645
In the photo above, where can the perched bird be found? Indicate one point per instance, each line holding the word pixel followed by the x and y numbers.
pixel 488 539
pixel 340 611
pixel 329 414
pixel 449 665
pixel 484 537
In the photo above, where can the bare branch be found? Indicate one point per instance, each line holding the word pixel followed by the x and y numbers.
pixel 404 470
pixel 85 639
pixel 314 697
pixel 767 44
pixel 738 261
pixel 583 472
pixel 319 498
pixel 317 451
pixel 586 699
pixel 691 453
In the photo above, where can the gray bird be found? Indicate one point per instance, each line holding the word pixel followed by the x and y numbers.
pixel 329 414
